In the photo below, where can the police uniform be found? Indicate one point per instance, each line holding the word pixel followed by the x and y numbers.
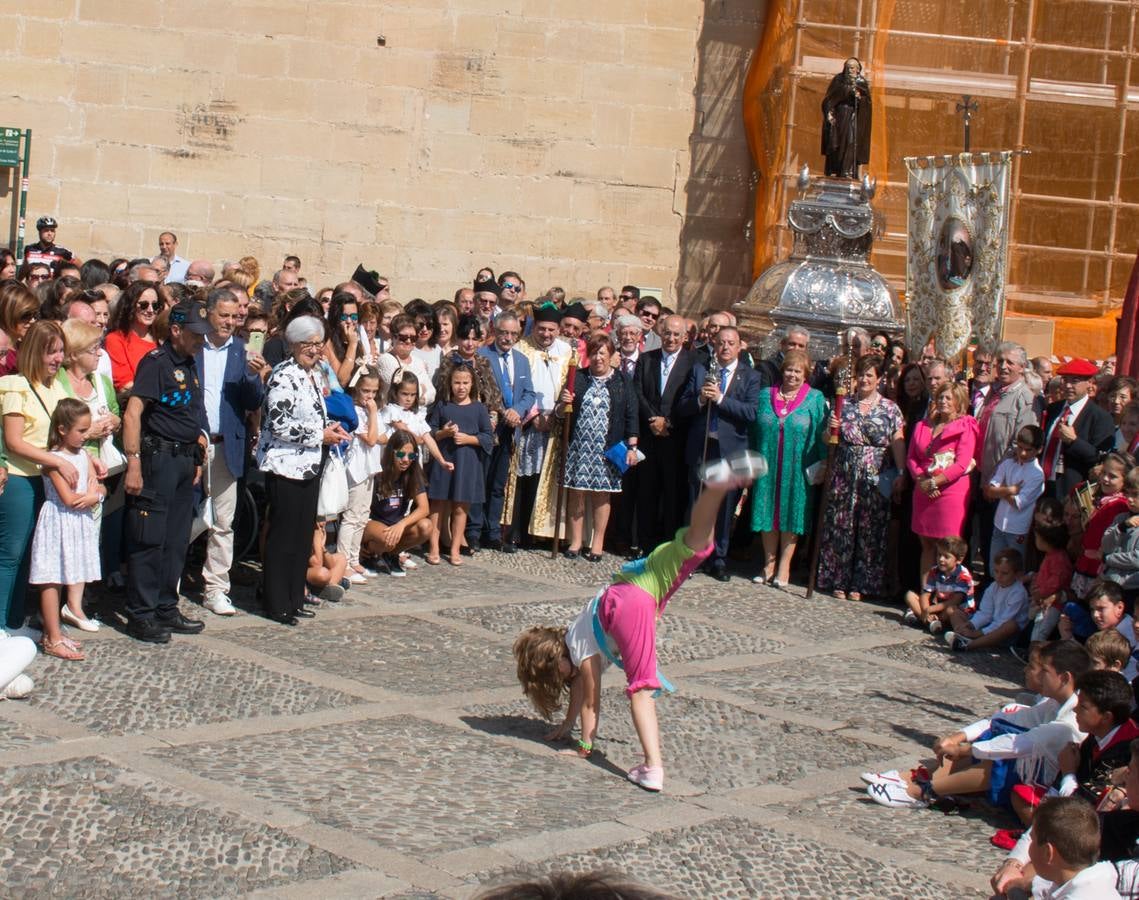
pixel 159 518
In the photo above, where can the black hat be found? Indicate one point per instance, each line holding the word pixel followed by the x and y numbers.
pixel 369 281
pixel 548 312
pixel 577 311
pixel 46 222
pixel 191 315
pixel 490 286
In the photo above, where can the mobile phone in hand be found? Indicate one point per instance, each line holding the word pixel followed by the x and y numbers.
pixel 256 342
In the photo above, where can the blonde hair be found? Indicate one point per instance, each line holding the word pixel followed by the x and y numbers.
pixel 77 337
pixel 959 394
pixel 538 651
pixel 1109 647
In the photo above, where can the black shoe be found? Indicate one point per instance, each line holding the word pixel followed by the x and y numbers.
pixel 305 614
pixel 149 631
pixel 493 544
pixel 570 554
pixel 591 557
pixel 179 624
pixel 634 553
pixel 284 619
pixel 468 550
pixel 508 547
pixel 720 573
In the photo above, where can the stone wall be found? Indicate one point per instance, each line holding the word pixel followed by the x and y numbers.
pixel 580 143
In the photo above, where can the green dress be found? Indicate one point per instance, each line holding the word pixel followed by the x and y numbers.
pixel 782 499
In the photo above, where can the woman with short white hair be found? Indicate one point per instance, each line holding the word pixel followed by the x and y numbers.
pixel 295 429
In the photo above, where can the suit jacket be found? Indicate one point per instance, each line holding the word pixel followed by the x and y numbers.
pixel 651 341
pixel 737 411
pixel 1095 434
pixel 653 399
pixel 524 396
pixel 242 392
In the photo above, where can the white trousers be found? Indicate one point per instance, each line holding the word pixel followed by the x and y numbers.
pixel 219 543
pixel 16 654
pixel 354 519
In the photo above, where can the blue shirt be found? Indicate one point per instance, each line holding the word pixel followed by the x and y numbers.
pixel 213 374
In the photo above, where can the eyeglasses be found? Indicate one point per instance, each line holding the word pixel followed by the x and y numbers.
pixel 399 454
pixel 29 318
pixel 645 314
pixel 510 286
pixel 310 345
pixel 405 338
pixel 349 317
pixel 982 364
pixel 147 304
pixel 35 277
pixel 422 326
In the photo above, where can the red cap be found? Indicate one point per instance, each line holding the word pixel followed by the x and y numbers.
pixel 1080 368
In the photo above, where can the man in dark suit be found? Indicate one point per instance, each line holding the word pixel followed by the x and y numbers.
pixel 722 409
pixel 1076 431
pixel 659 379
pixel 232 388
pixel 771 370
pixel 512 371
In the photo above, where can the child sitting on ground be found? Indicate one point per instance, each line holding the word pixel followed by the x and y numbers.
pixel 325 574
pixel 1109 651
pixel 1003 612
pixel 1120 543
pixel 1051 582
pixel 991 755
pixel 1064 850
pixel 555 661
pixel 948 585
pixel 1048 512
pixel 1017 484
pixel 1103 609
pixel 1109 503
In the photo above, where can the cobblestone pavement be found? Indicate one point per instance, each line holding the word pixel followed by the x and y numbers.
pixel 383 749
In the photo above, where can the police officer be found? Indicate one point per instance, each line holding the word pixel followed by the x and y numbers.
pixel 164 439
pixel 45 250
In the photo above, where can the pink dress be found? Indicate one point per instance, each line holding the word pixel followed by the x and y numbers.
pixel 950 454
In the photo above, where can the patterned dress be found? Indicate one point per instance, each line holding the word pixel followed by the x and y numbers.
pixel 853 549
pixel 587 468
pixel 65 549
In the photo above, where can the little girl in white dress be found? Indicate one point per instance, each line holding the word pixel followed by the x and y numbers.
pixel 65 548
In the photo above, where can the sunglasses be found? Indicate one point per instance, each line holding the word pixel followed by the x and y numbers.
pixel 349 317
pixel 423 326
pixel 28 317
pixel 34 277
pixel 405 338
pixel 510 286
pixel 412 455
pixel 650 315
pixel 628 297
pixel 147 304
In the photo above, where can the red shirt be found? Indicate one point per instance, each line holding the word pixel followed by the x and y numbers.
pixel 1106 511
pixel 1054 574
pixel 125 351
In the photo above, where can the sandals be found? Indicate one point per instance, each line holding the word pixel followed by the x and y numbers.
pixel 839 595
pixel 591 557
pixel 432 560
pixel 64 648
pixel 855 596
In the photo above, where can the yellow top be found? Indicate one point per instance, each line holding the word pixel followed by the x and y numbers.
pixel 18 399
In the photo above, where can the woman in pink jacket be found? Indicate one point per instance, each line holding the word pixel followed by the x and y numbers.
pixel 941 456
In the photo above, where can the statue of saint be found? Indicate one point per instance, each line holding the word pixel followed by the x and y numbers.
pixel 846 122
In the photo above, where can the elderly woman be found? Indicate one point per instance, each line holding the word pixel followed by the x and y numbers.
pixel 19 308
pixel 940 458
pixel 400 359
pixel 80 379
pixel 790 432
pixel 294 431
pixel 131 335
pixel 27 401
pixel 604 414
pixel 852 562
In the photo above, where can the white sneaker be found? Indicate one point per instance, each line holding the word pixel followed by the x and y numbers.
pixel 893 795
pixel 893 776
pixel 910 619
pixel 220 605
pixel 407 562
pixel 357 578
pixel 935 626
pixel 956 641
pixel 18 688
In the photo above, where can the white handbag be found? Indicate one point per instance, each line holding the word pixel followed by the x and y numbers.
pixel 333 499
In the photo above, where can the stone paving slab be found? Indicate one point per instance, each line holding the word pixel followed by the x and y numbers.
pixel 730 858
pixel 125 687
pixel 679 639
pixel 477 578
pixel 958 839
pixel 932 653
pixel 88 828
pixel 412 785
pixel 860 694
pixel 397 652
pixel 17 735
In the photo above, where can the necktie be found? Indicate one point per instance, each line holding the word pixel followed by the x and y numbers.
pixel 507 387
pixel 666 367
pixel 627 365
pixel 714 421
pixel 1054 444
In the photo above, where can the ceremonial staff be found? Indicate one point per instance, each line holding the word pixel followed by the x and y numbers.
pixel 567 413
pixel 841 390
pixel 712 376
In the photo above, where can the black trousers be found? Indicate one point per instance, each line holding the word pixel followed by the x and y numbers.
pixel 661 490
pixel 484 521
pixel 288 543
pixel 158 534
pixel 719 557
pixel 525 495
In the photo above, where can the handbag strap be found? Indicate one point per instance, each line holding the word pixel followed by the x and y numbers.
pixel 41 399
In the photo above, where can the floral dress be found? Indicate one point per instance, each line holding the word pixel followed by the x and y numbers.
pixel 853 549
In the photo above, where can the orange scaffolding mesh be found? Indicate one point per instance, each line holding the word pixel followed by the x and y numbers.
pixel 1054 77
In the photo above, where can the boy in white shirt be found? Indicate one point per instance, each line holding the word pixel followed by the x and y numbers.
pixel 1017 483
pixel 1064 849
pixel 1003 612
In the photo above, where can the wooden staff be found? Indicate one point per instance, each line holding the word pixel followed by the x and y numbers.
pixel 563 451
pixel 832 445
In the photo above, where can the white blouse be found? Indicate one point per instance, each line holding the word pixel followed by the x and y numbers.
pixel 389 365
pixel 292 429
